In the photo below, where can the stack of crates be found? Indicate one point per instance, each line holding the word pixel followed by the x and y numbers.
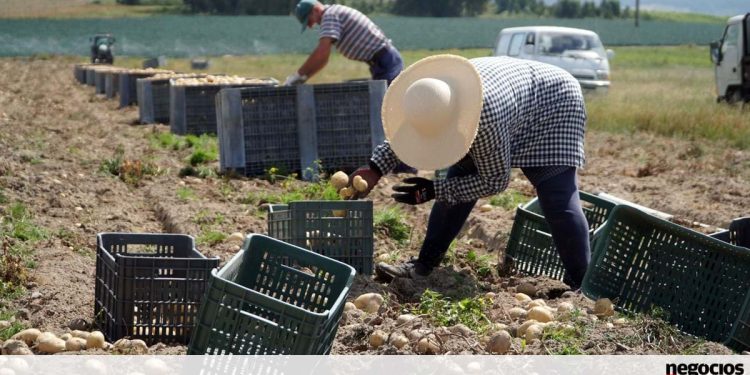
pixel 295 129
pixel 149 286
pixel 272 298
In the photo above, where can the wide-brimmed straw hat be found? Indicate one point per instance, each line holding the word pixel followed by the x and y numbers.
pixel 431 111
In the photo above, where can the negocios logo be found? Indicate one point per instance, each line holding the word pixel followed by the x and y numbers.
pixel 705 369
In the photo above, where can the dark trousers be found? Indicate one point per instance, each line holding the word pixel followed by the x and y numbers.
pixel 386 64
pixel 560 203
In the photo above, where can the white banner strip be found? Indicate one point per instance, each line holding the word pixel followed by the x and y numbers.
pixel 384 365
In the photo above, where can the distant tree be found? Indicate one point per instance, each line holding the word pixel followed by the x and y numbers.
pixel 474 7
pixel 429 8
pixel 129 2
pixel 627 12
pixel 589 9
pixel 609 8
pixel 568 9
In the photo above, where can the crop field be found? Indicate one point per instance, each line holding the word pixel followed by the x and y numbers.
pixel 186 36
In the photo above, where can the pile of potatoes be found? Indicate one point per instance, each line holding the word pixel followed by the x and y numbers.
pixel 23 342
pixel 340 181
pixel 217 80
pixel 147 70
pixel 172 75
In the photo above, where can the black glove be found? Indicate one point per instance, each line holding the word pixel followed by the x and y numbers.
pixel 421 190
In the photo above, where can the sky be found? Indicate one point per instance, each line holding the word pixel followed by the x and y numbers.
pixel 715 7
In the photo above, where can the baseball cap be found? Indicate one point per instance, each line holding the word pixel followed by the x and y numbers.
pixel 304 7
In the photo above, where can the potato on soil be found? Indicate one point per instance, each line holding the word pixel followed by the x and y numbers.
pixel 95 340
pixel 50 344
pixel 27 335
pixel 398 340
pixel 540 314
pixel 378 338
pixel 520 297
pixel 534 332
pixel 428 345
pixel 75 344
pixel 369 302
pixel 603 307
pixel 499 342
pixel 522 329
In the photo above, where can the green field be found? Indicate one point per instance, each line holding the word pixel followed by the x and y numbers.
pixel 665 90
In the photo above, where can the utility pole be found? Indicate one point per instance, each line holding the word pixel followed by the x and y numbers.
pixel 637 11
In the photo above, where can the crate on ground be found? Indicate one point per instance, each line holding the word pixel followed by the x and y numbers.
pixel 149 286
pixel 642 263
pixel 192 107
pixel 127 85
pixel 153 97
pixel 342 230
pixel 530 247
pixel 292 128
pixel 79 72
pixel 272 298
pixel 739 234
pixel 99 80
pixel 111 83
pixel 89 71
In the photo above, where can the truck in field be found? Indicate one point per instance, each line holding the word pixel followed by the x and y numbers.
pixel 731 58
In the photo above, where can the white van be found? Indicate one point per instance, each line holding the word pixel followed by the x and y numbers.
pixel 578 51
pixel 731 55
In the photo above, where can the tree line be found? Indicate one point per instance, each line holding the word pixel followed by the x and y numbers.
pixel 421 8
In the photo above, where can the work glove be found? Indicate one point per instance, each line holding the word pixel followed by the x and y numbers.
pixel 419 191
pixel 369 174
pixel 295 79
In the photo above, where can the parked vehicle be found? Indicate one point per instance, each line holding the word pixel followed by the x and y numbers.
pixel 731 57
pixel 578 51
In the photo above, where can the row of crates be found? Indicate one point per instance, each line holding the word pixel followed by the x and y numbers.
pixel 261 125
pixel 643 262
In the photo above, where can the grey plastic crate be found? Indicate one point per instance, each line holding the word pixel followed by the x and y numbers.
pixel 342 230
pixel 89 72
pixel 153 101
pixel 111 84
pixel 127 87
pixel 149 286
pixel 292 128
pixel 192 109
pixel 79 73
pixel 99 81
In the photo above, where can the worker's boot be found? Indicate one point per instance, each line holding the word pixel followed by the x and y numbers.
pixel 412 269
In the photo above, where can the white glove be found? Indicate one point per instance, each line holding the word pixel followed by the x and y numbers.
pixel 295 79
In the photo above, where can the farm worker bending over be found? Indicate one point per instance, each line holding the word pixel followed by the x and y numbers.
pixel 354 35
pixel 482 117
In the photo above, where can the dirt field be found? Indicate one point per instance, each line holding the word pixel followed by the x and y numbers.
pixel 55 134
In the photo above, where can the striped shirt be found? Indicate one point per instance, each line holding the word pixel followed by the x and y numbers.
pixel 533 116
pixel 354 35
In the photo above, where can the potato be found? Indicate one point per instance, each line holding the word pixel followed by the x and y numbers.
pixel 619 322
pixel 540 314
pixel 417 334
pixel 340 180
pixel 428 345
pixel 565 307
pixel 526 288
pixel 404 319
pixel 122 344
pixel 339 213
pixel 82 334
pixel 377 338
pixel 95 340
pixel 603 307
pixel 499 342
pixel 50 344
pixel 517 313
pixel 45 336
pixel 398 340
pixel 138 346
pixel 369 302
pixel 359 184
pixel 66 336
pixel 349 306
pixel 346 193
pixel 15 347
pixel 522 329
pixel 27 335
pixel 534 332
pixel 485 208
pixel 520 297
pixel 75 344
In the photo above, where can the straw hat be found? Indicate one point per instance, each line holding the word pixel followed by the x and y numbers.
pixel 431 111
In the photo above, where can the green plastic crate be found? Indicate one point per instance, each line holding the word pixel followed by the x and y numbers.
pixel 342 230
pixel 530 247
pixel 642 262
pixel 272 298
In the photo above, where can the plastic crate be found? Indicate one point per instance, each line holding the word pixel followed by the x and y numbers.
pixel 272 298
pixel 149 286
pixel 79 73
pixel 530 247
pixel 342 230
pixel 192 109
pixel 127 87
pixel 739 234
pixel 89 72
pixel 99 81
pixel 153 101
pixel 642 262
pixel 294 128
pixel 111 84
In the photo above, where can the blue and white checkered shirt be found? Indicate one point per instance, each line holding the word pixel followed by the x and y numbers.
pixel 356 36
pixel 533 116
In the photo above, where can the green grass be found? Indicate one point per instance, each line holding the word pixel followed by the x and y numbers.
pixel 89 9
pixel 509 199
pixel 482 264
pixel 443 311
pixel 653 15
pixel 211 238
pixel 392 222
pixel 185 193
pixel 569 341
pixel 18 235
pixel 14 327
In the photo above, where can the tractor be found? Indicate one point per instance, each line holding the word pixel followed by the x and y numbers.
pixel 101 49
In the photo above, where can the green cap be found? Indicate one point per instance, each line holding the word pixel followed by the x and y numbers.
pixel 304 7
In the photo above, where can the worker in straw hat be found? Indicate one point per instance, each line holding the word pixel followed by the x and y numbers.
pixel 354 35
pixel 480 118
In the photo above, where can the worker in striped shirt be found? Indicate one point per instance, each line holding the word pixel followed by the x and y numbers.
pixel 354 35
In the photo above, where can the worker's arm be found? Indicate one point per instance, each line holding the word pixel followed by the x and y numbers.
pixel 317 59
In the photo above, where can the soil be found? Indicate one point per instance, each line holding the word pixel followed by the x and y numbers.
pixel 55 134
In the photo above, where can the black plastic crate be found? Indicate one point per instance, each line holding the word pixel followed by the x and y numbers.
pixel 79 73
pixel 272 298
pixel 192 109
pixel 99 80
pixel 342 230
pixel 127 86
pixel 149 286
pixel 294 128
pixel 111 84
pixel 642 262
pixel 89 75
pixel 153 100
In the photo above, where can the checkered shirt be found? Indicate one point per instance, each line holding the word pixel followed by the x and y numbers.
pixel 533 115
pixel 356 36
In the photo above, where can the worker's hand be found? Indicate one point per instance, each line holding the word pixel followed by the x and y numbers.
pixel 295 79
pixel 371 176
pixel 419 191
